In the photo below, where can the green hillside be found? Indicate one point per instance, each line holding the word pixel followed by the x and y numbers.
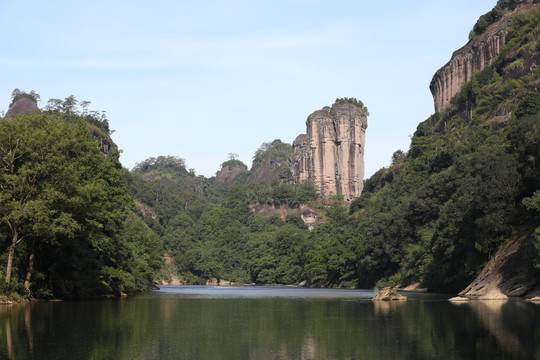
pixel 469 182
pixel 75 224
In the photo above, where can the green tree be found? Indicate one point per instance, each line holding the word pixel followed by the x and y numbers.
pixel 56 191
pixel 144 259
pixel 397 156
pixel 19 94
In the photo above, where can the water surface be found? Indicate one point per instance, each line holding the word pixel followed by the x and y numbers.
pixel 201 322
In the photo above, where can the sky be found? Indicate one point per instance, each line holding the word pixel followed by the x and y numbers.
pixel 204 79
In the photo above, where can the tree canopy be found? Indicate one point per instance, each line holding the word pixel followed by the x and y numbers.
pixel 63 206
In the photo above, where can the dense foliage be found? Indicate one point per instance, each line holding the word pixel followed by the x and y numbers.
pixel 493 16
pixel 277 149
pixel 68 109
pixel 215 234
pixel 444 209
pixel 63 214
pixel 355 102
pixel 468 184
pixel 19 94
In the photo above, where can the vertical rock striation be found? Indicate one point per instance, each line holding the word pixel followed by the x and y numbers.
pixel 332 151
pixel 474 56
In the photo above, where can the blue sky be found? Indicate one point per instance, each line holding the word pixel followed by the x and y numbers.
pixel 202 79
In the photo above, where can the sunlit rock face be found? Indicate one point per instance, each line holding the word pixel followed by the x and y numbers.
pixel 332 151
pixel 475 56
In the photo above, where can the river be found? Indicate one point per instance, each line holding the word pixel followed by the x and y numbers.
pixel 201 322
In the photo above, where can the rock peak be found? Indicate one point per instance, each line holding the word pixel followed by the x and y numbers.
pixel 21 106
pixel 477 54
pixel 331 153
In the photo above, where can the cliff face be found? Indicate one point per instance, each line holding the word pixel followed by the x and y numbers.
pixel 332 151
pixel 106 144
pixel 21 106
pixel 271 162
pixel 510 272
pixel 474 56
pixel 228 174
pixel 271 168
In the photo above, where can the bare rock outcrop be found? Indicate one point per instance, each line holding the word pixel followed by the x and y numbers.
pixel 475 56
pixel 106 144
pixel 271 168
pixel 228 174
pixel 507 274
pixel 147 211
pixel 388 294
pixel 309 216
pixel 332 151
pixel 21 106
pixel 493 293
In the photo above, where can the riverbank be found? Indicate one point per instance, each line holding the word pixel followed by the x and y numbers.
pixel 508 274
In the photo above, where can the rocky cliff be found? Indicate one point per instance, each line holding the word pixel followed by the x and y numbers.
pixel 475 56
pixel 229 174
pixel 332 151
pixel 106 144
pixel 21 106
pixel 271 168
pixel 510 272
pixel 271 162
pixel 331 154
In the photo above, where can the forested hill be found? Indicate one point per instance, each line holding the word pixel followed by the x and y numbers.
pixel 67 227
pixel 470 181
pixel 75 223
pixel 468 184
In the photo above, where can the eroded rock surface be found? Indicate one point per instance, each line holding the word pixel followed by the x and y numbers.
pixel 228 174
pixel 507 274
pixel 21 106
pixel 388 294
pixel 332 151
pixel 473 57
pixel 309 216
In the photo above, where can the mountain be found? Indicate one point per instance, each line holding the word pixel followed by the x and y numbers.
pixel 461 206
pixel 67 229
pixel 480 51
pixel 332 151
pixel 97 125
pixel 467 187
pixel 330 154
pixel 470 180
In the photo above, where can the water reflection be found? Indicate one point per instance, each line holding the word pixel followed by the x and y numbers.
pixel 498 316
pixel 276 324
pixel 386 308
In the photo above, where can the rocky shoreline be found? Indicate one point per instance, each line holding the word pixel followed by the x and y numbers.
pixel 508 275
